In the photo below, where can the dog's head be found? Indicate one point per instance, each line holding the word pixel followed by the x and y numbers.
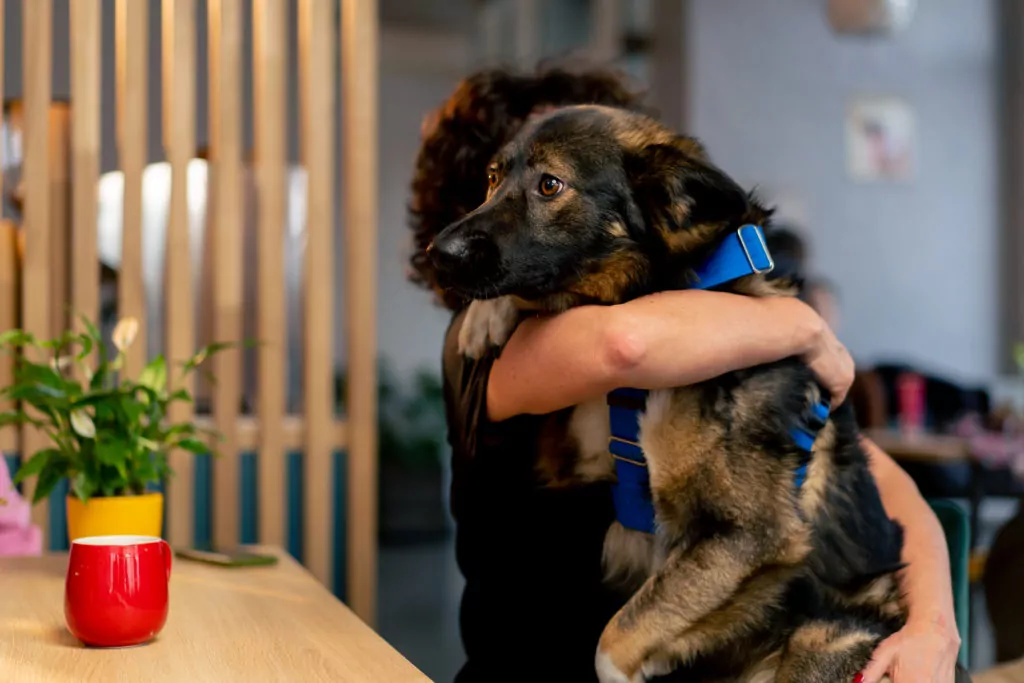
pixel 591 204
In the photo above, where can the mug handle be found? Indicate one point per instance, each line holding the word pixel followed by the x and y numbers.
pixel 165 547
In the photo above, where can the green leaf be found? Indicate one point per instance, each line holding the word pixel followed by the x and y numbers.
pixel 95 398
pixel 83 487
pixel 111 451
pixel 204 353
pixel 87 346
pixel 193 445
pixel 18 417
pixel 154 375
pixel 18 338
pixel 48 478
pixel 133 409
pixel 180 395
pixel 90 327
pixel 35 464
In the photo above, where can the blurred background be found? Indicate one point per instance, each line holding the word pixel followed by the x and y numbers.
pixel 889 134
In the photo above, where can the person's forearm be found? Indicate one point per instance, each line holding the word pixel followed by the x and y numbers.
pixel 656 342
pixel 926 578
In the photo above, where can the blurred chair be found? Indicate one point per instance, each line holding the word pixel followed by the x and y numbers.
pixel 954 521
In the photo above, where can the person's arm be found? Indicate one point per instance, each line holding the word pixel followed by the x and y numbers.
pixel 926 648
pixel 656 342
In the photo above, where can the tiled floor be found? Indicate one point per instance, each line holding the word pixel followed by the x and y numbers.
pixel 420 588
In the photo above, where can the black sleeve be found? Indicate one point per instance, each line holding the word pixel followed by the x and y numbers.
pixel 465 387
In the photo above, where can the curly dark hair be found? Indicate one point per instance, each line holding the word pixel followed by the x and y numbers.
pixel 460 138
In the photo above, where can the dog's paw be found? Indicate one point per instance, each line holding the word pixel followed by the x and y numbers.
pixel 487 323
pixel 608 672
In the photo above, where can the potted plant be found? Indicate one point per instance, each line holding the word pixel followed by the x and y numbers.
pixel 108 434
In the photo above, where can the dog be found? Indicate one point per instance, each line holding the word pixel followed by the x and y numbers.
pixel 748 576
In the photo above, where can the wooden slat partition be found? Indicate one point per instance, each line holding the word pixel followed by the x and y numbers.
pixel 293 432
pixel 316 106
pixel 37 43
pixel 132 28
pixel 179 64
pixel 59 259
pixel 59 150
pixel 359 76
pixel 85 156
pixel 225 214
pixel 8 274
pixel 270 22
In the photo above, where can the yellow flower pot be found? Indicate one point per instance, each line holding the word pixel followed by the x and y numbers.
pixel 117 515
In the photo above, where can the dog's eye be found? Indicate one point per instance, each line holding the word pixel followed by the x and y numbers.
pixel 492 178
pixel 550 186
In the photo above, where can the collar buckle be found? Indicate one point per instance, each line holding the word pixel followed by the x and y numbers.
pixel 760 247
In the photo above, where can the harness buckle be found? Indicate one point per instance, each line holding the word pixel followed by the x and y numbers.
pixel 764 249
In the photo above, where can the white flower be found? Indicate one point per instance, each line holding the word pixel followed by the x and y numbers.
pixel 83 424
pixel 125 332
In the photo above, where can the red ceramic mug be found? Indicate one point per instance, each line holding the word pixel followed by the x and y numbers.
pixel 115 594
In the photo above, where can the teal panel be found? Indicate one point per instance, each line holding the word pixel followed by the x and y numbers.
pixel 12 462
pixel 59 516
pixel 203 478
pixel 293 503
pixel 247 500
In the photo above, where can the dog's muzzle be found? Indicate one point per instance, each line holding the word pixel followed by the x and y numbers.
pixel 464 260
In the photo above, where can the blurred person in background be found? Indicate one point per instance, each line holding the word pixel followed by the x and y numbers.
pixel 534 602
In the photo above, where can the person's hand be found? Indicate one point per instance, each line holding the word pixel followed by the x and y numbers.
pixel 831 363
pixel 924 650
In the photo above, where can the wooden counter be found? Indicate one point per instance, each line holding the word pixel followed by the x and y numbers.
pixel 225 624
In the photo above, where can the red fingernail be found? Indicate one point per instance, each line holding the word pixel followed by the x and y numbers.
pixel 859 678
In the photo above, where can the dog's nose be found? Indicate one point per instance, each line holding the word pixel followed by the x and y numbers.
pixel 448 253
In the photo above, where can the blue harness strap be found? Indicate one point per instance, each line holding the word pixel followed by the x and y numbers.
pixel 742 253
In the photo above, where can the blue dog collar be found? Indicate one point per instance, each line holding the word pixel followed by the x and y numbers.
pixel 742 253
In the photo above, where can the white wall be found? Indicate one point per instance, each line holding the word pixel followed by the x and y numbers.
pixel 916 264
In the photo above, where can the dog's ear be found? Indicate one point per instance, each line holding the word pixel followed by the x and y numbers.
pixel 682 196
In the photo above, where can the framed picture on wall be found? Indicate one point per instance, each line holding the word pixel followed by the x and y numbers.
pixel 880 139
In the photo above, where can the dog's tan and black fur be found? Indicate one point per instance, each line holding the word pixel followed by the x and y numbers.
pixel 748 578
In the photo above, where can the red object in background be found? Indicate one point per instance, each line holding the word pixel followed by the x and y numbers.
pixel 116 589
pixel 910 391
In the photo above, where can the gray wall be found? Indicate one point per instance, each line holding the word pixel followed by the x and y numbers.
pixel 915 263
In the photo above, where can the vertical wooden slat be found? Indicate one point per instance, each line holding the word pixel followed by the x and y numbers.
pixel 270 97
pixel 37 40
pixel 85 157
pixel 179 50
pixel 359 61
pixel 8 318
pixel 316 106
pixel 8 273
pixel 60 216
pixel 225 28
pixel 131 25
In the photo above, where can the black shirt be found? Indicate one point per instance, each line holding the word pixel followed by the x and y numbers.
pixel 534 605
